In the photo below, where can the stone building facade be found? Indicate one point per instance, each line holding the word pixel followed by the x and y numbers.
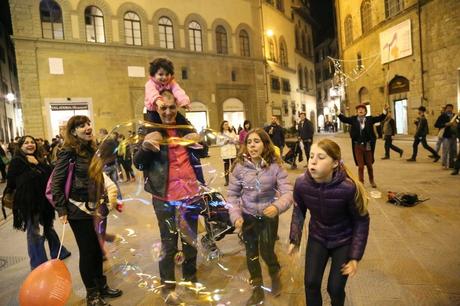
pixel 91 57
pixel 401 52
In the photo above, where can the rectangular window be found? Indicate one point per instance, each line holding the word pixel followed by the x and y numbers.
pixel 184 74
pixel 233 75
pixel 276 86
pixel 286 85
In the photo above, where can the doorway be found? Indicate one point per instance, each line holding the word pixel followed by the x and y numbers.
pixel 60 113
pixel 401 116
pixel 199 120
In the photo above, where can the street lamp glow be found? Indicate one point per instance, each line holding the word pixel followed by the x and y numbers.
pixel 10 97
pixel 269 33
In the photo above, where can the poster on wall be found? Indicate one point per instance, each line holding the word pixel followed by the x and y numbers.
pixel 396 42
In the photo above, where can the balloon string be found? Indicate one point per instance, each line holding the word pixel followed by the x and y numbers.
pixel 62 241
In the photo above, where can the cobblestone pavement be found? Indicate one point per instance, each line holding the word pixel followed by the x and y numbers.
pixel 412 258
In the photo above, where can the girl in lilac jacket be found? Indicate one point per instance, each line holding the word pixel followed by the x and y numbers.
pixel 258 192
pixel 339 223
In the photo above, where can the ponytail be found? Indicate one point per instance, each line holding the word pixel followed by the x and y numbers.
pixel 361 198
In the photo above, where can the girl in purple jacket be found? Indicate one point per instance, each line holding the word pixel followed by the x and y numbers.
pixel 258 192
pixel 339 222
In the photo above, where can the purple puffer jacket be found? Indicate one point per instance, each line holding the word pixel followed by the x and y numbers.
pixel 252 190
pixel 335 220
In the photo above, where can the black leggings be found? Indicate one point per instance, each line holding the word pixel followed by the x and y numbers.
pixel 90 251
pixel 227 165
pixel 315 264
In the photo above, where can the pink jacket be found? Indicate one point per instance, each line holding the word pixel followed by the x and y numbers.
pixel 153 89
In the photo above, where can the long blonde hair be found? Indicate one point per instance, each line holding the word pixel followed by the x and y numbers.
pixel 333 150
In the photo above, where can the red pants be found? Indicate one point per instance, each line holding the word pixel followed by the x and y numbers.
pixel 364 157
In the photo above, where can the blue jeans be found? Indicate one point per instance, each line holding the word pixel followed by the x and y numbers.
pixel 36 243
pixel 112 172
pixel 449 151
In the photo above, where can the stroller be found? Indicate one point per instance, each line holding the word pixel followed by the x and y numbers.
pixel 294 152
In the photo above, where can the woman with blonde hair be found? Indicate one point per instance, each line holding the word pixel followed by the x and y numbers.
pixel 339 223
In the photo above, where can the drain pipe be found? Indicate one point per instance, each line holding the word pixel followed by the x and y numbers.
pixel 423 99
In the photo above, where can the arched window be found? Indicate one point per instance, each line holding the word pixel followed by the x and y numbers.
pixel 283 54
pixel 94 23
pixel 221 40
pixel 271 50
pixel 51 19
pixel 348 30
pixel 310 52
pixel 366 16
pixel 393 7
pixel 307 85
pixel 304 43
pixel 165 27
pixel 194 35
pixel 297 47
pixel 133 29
pixel 312 79
pixel 244 43
pixel 300 74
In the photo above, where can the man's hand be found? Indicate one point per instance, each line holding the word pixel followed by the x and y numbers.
pixel 271 211
pixel 193 136
pixel 152 141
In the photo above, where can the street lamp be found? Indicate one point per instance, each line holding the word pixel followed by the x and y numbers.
pixel 270 33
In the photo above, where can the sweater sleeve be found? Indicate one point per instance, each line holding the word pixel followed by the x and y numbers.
pixel 298 217
pixel 360 232
pixel 182 99
pixel 285 189
pixel 345 119
pixel 151 96
pixel 379 118
pixel 234 190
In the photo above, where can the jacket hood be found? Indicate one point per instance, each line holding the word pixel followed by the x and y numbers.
pixel 338 177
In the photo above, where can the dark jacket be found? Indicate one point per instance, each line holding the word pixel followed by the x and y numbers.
pixel 155 165
pixel 80 183
pixel 389 126
pixel 305 130
pixel 422 127
pixel 29 182
pixel 441 122
pixel 335 220
pixel 277 136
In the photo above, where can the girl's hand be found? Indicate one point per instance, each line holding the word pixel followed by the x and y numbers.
pixel 31 159
pixel 239 224
pixel 293 249
pixel 271 211
pixel 63 219
pixel 350 268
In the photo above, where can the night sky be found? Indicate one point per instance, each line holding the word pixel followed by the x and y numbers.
pixel 322 12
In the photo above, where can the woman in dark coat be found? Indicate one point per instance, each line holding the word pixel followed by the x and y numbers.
pixel 27 175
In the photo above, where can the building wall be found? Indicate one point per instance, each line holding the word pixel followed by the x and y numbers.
pixel 99 71
pixel 438 49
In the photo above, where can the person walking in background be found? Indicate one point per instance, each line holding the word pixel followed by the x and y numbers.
pixel 446 124
pixel 259 191
pixel 80 147
pixel 276 133
pixel 389 130
pixel 305 131
pixel 28 175
pixel 420 136
pixel 247 126
pixel 363 139
pixel 125 157
pixel 457 161
pixel 3 162
pixel 339 222
pixel 227 140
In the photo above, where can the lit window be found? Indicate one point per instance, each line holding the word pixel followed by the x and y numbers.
pixel 165 27
pixel 271 50
pixel 133 29
pixel 221 40
pixel 244 43
pixel 51 20
pixel 194 34
pixel 94 23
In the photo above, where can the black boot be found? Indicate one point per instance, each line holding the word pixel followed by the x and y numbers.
pixel 105 290
pixel 276 284
pixel 257 297
pixel 93 298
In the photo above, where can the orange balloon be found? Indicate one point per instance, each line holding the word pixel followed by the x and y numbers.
pixel 48 284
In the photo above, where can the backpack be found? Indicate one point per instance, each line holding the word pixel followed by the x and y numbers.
pixel 405 199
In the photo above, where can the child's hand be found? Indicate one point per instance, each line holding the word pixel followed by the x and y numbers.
pixel 293 249
pixel 271 211
pixel 152 141
pixel 350 268
pixel 239 224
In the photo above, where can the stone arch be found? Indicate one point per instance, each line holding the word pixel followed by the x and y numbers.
pixel 228 28
pixel 248 29
pixel 204 30
pixel 176 26
pixel 363 94
pixel 398 84
pixel 132 7
pixel 106 11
